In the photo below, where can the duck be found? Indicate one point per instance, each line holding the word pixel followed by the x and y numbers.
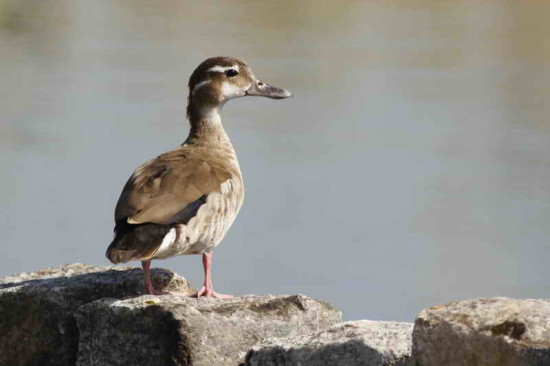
pixel 184 201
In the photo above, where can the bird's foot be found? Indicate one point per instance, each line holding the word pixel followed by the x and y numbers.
pixel 150 290
pixel 208 292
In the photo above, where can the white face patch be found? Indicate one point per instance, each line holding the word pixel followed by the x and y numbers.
pixel 223 68
pixel 200 85
pixel 230 91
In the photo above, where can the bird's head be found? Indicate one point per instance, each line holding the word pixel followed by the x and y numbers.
pixel 219 79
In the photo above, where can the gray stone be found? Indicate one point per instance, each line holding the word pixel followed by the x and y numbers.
pixel 363 342
pixel 484 332
pixel 37 326
pixel 174 330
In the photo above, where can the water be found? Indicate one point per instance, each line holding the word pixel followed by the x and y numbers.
pixel 410 169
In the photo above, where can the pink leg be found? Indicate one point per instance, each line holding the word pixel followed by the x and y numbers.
pixel 148 283
pixel 208 289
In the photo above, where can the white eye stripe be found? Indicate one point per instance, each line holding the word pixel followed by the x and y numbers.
pixel 223 68
pixel 200 85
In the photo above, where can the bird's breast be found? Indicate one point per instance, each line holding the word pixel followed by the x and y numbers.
pixel 210 225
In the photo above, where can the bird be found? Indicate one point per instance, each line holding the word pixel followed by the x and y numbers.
pixel 185 200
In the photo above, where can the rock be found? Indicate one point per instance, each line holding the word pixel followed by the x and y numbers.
pixel 174 330
pixel 363 342
pixel 37 326
pixel 484 332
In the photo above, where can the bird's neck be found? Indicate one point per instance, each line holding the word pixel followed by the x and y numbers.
pixel 206 126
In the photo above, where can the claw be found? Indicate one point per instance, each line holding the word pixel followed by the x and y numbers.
pixel 208 292
pixel 151 291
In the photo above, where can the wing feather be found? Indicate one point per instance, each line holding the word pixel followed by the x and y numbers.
pixel 161 188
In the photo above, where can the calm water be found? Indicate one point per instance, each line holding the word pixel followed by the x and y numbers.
pixel 411 168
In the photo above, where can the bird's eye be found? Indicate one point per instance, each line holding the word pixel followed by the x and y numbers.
pixel 231 72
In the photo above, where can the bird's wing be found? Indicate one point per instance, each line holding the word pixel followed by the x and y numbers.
pixel 169 188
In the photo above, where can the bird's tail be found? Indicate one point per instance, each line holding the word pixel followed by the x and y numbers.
pixel 135 242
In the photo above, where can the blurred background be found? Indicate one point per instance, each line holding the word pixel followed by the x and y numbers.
pixel 411 168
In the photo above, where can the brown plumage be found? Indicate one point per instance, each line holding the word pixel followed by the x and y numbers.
pixel 162 187
pixel 184 201
pixel 167 190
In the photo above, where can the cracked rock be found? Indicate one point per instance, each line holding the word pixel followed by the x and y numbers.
pixel 354 343
pixel 37 326
pixel 484 332
pixel 175 330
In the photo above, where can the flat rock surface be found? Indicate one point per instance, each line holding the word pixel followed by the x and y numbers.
pixel 484 332
pixel 175 330
pixel 363 342
pixel 37 326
